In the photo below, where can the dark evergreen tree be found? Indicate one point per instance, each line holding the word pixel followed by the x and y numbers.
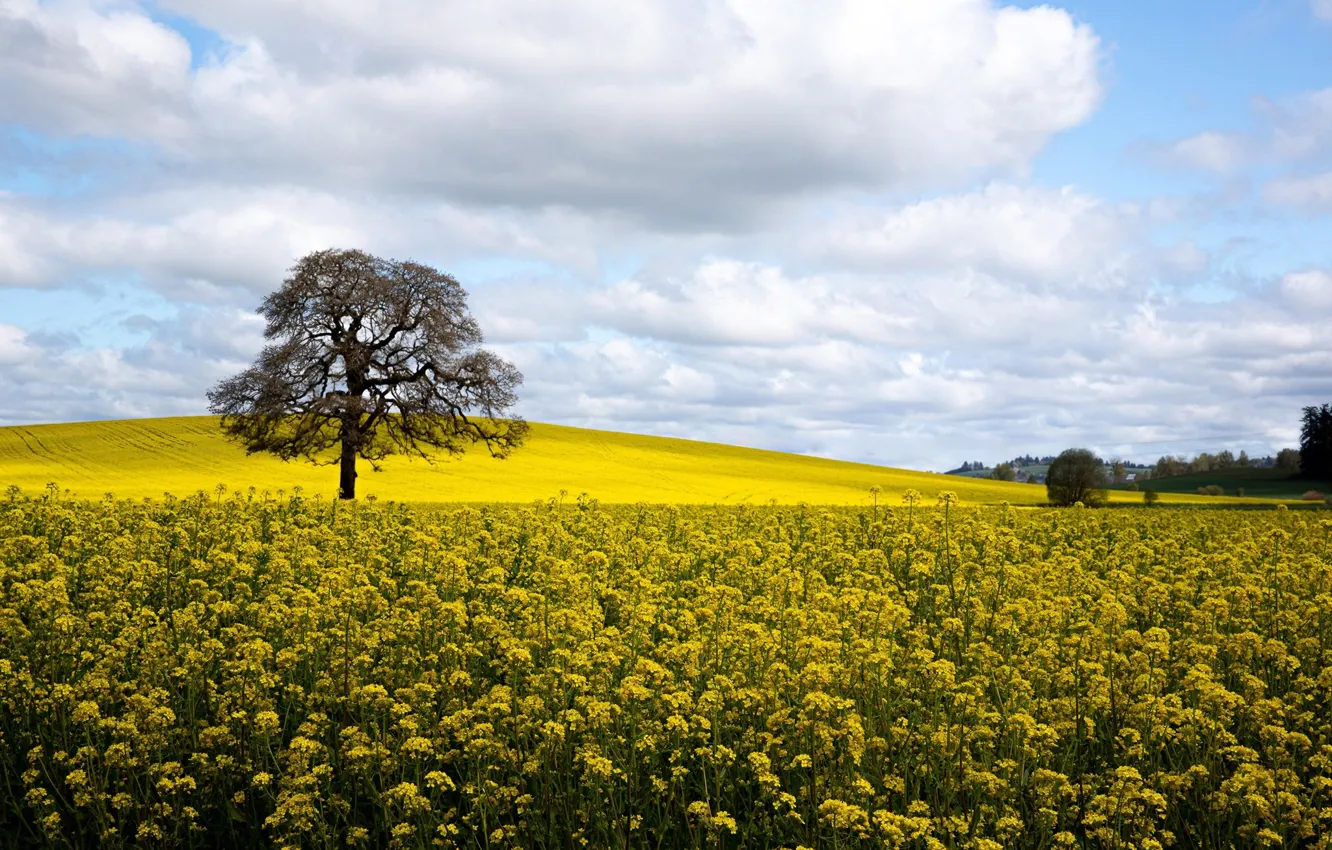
pixel 1316 442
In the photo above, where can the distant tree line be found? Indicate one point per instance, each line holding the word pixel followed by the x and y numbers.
pixel 1016 463
pixel 1078 477
pixel 1313 459
pixel 968 466
pixel 1171 465
pixel 1031 460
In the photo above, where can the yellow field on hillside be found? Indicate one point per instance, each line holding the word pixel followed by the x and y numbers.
pixel 149 457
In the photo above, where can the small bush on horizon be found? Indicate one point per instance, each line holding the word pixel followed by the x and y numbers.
pixel 1150 497
pixel 1313 496
pixel 1211 490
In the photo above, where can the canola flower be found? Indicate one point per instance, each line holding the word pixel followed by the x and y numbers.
pixel 245 670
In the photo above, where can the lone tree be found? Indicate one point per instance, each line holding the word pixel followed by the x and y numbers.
pixel 375 357
pixel 1316 442
pixel 1076 476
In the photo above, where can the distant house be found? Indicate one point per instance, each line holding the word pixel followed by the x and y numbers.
pixel 1131 476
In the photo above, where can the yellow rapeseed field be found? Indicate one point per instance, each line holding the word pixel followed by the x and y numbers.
pixel 149 457
pixel 235 670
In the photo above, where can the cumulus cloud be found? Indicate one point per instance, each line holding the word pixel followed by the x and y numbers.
pixel 14 345
pixel 896 367
pixel 1301 125
pixel 1311 193
pixel 1181 260
pixel 22 260
pixel 970 360
pixel 1223 153
pixel 212 243
pixel 52 379
pixel 732 302
pixel 679 114
pixel 803 227
pixel 1322 9
pixel 1310 289
pixel 1028 233
pixel 1294 128
pixel 78 68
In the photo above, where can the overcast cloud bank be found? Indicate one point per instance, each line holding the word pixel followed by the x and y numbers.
pixel 814 227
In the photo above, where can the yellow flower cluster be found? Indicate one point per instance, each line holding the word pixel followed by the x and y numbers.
pixel 251 671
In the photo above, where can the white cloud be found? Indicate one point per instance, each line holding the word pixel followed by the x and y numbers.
pixel 900 368
pixel 1301 125
pixel 49 379
pixel 1030 233
pixel 1311 193
pixel 732 302
pixel 1183 258
pixel 1322 9
pixel 975 311
pixel 696 211
pixel 681 114
pixel 22 261
pixel 210 243
pixel 1290 129
pixel 14 346
pixel 1308 290
pixel 1223 153
pixel 993 368
pixel 77 68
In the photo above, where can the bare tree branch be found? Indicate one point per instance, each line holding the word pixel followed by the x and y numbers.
pixel 377 357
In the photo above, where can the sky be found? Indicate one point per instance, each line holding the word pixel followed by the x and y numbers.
pixel 901 232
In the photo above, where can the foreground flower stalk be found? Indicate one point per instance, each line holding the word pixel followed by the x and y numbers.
pixel 250 670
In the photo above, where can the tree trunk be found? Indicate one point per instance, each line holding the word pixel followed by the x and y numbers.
pixel 347 484
pixel 351 432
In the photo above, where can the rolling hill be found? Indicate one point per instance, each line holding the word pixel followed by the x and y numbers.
pixel 149 457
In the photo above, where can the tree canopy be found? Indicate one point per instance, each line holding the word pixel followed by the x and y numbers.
pixel 1316 442
pixel 1075 476
pixel 374 357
